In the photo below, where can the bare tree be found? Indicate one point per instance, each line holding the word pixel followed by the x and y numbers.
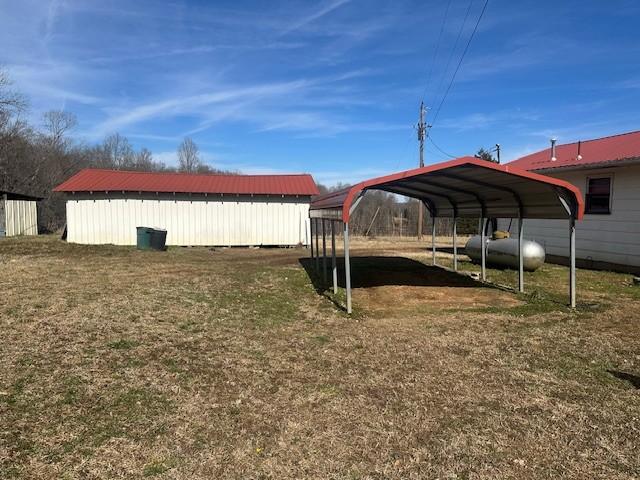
pixel 57 125
pixel 11 102
pixel 144 161
pixel 189 156
pixel 118 151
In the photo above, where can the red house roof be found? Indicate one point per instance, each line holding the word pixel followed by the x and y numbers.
pixel 95 180
pixel 620 148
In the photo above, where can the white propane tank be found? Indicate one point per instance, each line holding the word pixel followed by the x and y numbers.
pixel 504 252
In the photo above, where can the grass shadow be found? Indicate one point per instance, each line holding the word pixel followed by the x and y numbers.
pixel 378 271
pixel 634 380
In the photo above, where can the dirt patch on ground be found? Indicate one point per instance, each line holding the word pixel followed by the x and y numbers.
pixel 388 299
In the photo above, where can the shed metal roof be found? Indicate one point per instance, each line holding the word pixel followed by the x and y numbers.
pixel 608 151
pixel 97 180
pixel 466 187
pixel 19 196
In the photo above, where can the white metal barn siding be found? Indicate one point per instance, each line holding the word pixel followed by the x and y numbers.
pixel 211 220
pixel 612 238
pixel 21 217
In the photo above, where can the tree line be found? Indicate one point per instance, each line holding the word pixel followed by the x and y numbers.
pixel 36 158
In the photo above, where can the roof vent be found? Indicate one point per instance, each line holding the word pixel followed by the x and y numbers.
pixel 553 149
pixel 579 157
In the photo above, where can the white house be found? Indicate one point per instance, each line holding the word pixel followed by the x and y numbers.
pixel 18 214
pixel 607 171
pixel 106 206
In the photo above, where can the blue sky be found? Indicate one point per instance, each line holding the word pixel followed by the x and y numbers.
pixel 329 87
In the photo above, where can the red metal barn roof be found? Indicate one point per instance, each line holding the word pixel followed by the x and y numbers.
pixel 607 150
pixel 96 180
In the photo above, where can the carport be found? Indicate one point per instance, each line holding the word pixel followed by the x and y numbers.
pixel 466 187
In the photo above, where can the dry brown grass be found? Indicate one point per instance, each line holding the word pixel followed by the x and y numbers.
pixel 199 363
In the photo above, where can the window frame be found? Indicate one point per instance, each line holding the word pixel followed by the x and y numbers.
pixel 587 211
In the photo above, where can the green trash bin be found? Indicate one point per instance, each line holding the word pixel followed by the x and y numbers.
pixel 158 239
pixel 143 239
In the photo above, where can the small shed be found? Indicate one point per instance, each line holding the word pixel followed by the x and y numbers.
pixel 106 206
pixel 18 214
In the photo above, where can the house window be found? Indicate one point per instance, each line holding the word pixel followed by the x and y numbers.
pixel 598 199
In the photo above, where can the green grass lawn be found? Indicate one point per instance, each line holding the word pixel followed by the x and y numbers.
pixel 239 363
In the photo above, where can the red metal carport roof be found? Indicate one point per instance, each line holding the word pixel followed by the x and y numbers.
pixel 466 187
pixel 97 180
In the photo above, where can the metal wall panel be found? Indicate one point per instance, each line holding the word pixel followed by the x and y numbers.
pixel 21 218
pixel 198 220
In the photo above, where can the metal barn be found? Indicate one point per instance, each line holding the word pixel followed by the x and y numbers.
pixel 18 214
pixel 106 206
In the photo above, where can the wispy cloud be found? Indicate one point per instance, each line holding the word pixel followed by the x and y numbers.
pixel 197 50
pixel 311 124
pixel 193 104
pixel 312 17
pixel 52 82
pixel 531 49
pixel 577 131
pixel 269 106
pixel 155 137
pixel 52 14
pixel 630 83
pixel 487 120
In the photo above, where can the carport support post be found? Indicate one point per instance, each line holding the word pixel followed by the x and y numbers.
pixel 324 251
pixel 347 267
pixel 433 239
pixel 483 249
pixel 572 260
pixel 317 249
pixel 520 255
pixel 334 266
pixel 455 246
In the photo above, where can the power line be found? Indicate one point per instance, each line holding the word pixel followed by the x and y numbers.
pixel 403 157
pixel 455 46
pixel 433 153
pixel 435 53
pixel 439 149
pixel 466 48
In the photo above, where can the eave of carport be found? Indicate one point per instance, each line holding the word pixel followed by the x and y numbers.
pixel 464 187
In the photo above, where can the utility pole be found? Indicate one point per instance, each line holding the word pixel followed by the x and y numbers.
pixel 422 130
pixel 498 152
